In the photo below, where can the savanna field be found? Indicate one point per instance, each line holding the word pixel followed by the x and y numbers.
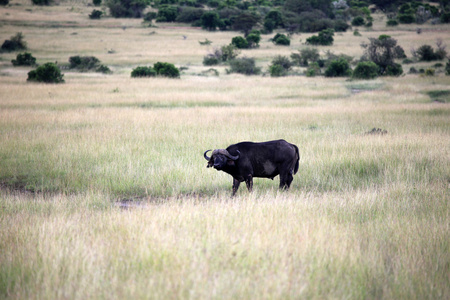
pixel 105 192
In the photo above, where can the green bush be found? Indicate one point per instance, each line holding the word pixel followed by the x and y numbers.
pixel 313 70
pixel 239 42
pixel 280 66
pixel 427 53
pixel 358 21
pixel 47 73
pixel 15 43
pixel 166 70
pixel 445 17
pixel 103 69
pixel 150 16
pixel 24 59
pixel 244 65
pixel 447 67
pixel 127 8
pixel 210 60
pixel 167 13
pixel 392 22
pixel 41 2
pixel 429 72
pixel 338 68
pixel 406 18
pixel 143 72
pixel 366 70
pixel 83 63
pixel 97 2
pixel 281 39
pixel 96 14
pixel 189 14
pixel 253 39
pixel 394 70
pixel 325 38
pixel 210 20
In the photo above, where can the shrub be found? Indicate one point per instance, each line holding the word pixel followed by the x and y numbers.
pixel 228 52
pixel 189 15
pixel 280 66
pixel 150 16
pixel 127 8
pixel 406 18
pixel 413 70
pixel 426 52
pixel 41 2
pixel 244 65
pixel 338 68
pixel 365 70
pixel 445 17
pixel 394 70
pixel 429 72
pixel 306 56
pixel 277 71
pixel 325 38
pixel 143 72
pixel 166 70
pixel 24 59
pixel 281 39
pixel 97 2
pixel 96 14
pixel 47 73
pixel 313 70
pixel 210 60
pixel 83 63
pixel 239 42
pixel 358 21
pixel 210 20
pixel 167 13
pixel 383 51
pixel 253 39
pixel 392 22
pixel 447 68
pixel 4 2
pixel 340 26
pixel 15 43
pixel 103 69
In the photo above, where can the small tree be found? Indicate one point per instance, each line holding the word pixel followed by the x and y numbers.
pixel 47 73
pixel 96 14
pixel 382 52
pixel 281 39
pixel 245 65
pixel 325 38
pixel 166 70
pixel 167 13
pixel 127 8
pixel 210 20
pixel 15 43
pixel 239 42
pixel 24 59
pixel 280 66
pixel 143 72
pixel 245 22
pixel 338 68
pixel 253 39
pixel 365 70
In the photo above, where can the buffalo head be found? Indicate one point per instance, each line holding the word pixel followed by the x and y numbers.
pixel 220 158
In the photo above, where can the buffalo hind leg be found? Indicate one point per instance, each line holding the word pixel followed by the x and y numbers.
pixel 285 180
pixel 236 184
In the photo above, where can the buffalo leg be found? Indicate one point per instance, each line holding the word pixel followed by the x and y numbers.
pixel 249 182
pixel 285 180
pixel 236 184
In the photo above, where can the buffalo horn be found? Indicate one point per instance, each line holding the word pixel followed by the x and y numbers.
pixel 206 156
pixel 226 153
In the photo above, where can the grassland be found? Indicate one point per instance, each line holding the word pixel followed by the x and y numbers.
pixel 105 192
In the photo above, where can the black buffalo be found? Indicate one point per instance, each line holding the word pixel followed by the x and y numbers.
pixel 247 160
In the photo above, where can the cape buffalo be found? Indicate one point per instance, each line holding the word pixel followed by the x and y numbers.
pixel 246 160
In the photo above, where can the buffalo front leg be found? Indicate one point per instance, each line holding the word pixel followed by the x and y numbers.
pixel 236 184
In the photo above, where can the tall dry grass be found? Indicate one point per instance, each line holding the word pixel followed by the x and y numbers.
pixel 105 193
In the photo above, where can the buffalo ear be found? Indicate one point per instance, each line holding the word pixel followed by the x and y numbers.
pixel 230 162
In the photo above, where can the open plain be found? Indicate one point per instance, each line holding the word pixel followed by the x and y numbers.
pixel 105 192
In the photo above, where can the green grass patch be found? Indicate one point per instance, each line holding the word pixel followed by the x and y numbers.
pixel 439 95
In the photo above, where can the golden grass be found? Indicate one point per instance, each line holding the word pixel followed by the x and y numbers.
pixel 109 196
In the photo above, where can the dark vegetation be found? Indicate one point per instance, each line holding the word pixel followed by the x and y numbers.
pixel 159 69
pixel 24 59
pixel 47 73
pixel 87 63
pixel 16 43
